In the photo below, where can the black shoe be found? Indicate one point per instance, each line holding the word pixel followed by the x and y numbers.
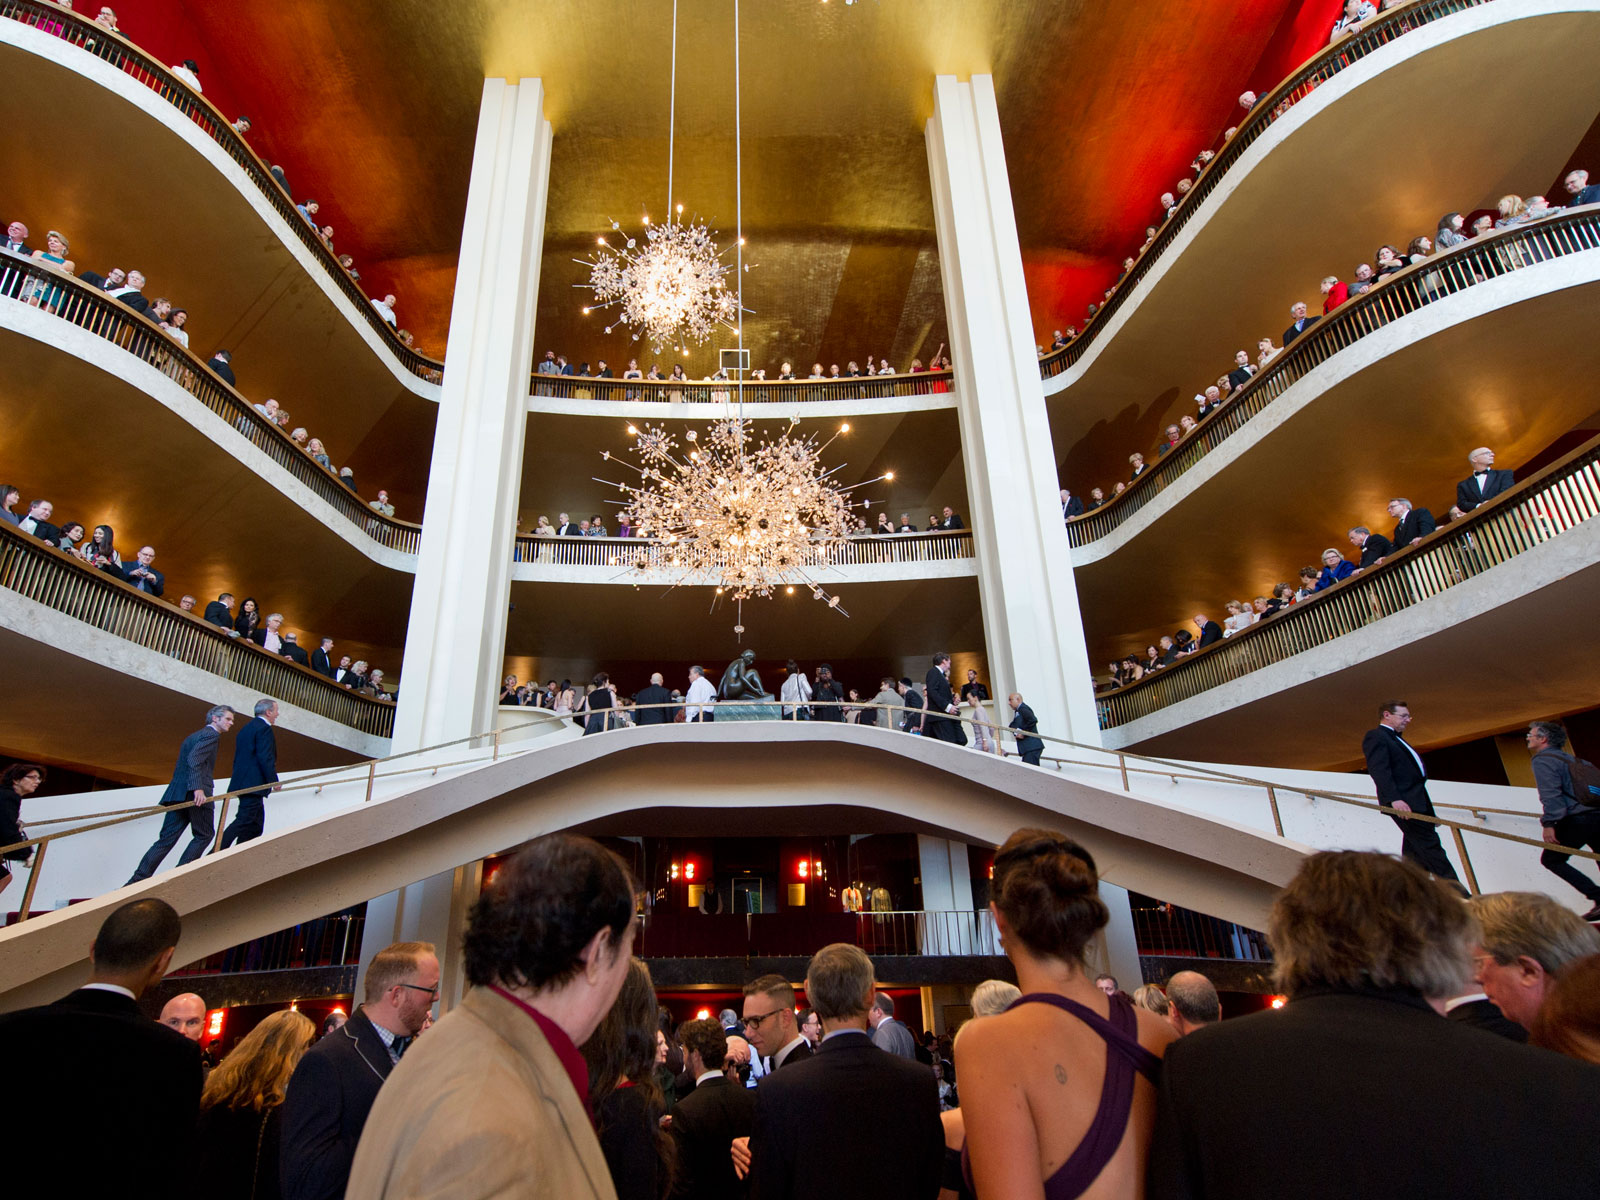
pixel 1593 914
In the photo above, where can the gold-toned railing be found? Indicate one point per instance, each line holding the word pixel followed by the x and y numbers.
pixel 1125 763
pixel 114 48
pixel 99 313
pixel 1482 259
pixel 1561 497
pixel 624 553
pixel 760 391
pixel 1316 70
pixel 54 578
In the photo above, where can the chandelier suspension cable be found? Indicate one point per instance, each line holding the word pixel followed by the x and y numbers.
pixel 738 203
pixel 672 108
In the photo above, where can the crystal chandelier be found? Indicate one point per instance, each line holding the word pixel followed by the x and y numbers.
pixel 671 290
pixel 748 515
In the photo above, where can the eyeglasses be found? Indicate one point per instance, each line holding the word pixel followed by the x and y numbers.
pixel 755 1022
pixel 417 987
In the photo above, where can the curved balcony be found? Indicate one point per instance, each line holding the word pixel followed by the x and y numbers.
pixel 1327 63
pixel 864 394
pixel 95 312
pixel 80 31
pixel 1453 271
pixel 87 637
pixel 1480 625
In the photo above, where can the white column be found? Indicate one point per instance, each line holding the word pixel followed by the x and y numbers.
pixel 431 910
pixel 1031 622
pixel 455 641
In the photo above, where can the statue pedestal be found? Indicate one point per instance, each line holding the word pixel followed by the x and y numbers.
pixel 732 710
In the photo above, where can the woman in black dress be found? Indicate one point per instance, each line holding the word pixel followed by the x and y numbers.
pixel 625 1096
pixel 249 617
pixel 241 1109
pixel 17 782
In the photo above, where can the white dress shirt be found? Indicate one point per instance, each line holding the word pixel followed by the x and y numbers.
pixel 701 695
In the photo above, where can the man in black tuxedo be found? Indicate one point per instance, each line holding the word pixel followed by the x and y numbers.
pixel 1374 547
pixel 221 365
pixel 952 519
pixel 708 1120
pixel 827 696
pixel 1402 784
pixel 1071 506
pixel 294 651
pixel 331 1092
pixel 93 1054
pixel 37 522
pixel 322 660
pixel 131 292
pixel 1210 631
pixel 344 673
pixel 17 239
pixel 654 694
pixel 1411 524
pixel 220 611
pixel 1485 483
pixel 255 761
pixel 769 1022
pixel 1301 323
pixel 142 575
pixel 810 1139
pixel 567 529
pixel 1026 727
pixel 912 719
pixel 191 780
pixel 1242 371
pixel 940 701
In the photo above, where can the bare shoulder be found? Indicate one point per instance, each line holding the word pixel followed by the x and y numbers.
pixel 1155 1032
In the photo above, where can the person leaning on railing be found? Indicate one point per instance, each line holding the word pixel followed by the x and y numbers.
pixel 17 783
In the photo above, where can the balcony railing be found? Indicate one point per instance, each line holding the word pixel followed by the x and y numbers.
pixel 81 31
pixel 1174 932
pixel 799 932
pixel 99 313
pixel 1318 69
pixel 762 391
pixel 1557 499
pixel 1405 292
pixel 331 941
pixel 53 578
pixel 626 553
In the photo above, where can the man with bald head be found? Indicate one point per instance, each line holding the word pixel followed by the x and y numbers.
pixel 1485 483
pixel 1193 1002
pixel 185 1013
pixel 656 693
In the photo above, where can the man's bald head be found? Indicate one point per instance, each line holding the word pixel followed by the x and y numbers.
pixel 186 1014
pixel 1194 1002
pixel 656 680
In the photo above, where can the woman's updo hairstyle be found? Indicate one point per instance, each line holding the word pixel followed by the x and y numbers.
pixel 1048 890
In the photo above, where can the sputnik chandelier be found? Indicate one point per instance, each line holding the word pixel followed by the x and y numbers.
pixel 673 290
pixel 746 513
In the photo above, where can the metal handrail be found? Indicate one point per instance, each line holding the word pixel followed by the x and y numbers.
pixel 318 780
pixel 1560 497
pixel 727 392
pixel 116 49
pixel 99 313
pixel 1316 70
pixel 52 577
pixel 1569 232
pixel 648 554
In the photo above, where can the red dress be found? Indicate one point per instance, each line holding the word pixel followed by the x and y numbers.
pixel 1337 295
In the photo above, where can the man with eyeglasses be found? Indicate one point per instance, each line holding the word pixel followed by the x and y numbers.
pixel 332 1090
pixel 769 1021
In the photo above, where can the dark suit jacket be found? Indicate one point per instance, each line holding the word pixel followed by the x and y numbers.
pixel 197 760
pixel 222 371
pixel 94 1060
pixel 154 586
pixel 1376 546
pixel 1074 507
pixel 653 716
pixel 1211 633
pixel 135 301
pixel 255 756
pixel 295 653
pixel 1027 727
pixel 320 663
pixel 1468 497
pixel 570 529
pixel 704 1123
pixel 326 1106
pixel 1240 376
pixel 219 615
pixel 1417 523
pixel 1394 770
pixel 46 532
pixel 810 1140
pixel 1291 333
pixel 1345 1094
pixel 953 521
pixel 938 724
pixel 1486 1015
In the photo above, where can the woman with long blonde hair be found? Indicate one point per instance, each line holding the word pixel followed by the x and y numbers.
pixel 241 1109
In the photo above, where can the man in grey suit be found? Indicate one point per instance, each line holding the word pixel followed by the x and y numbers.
pixel 191 780
pixel 887 1033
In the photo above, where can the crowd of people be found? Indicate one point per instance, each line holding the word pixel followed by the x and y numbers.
pixel 96 546
pixel 1454 229
pixel 558 1073
pixel 1370 549
pixel 898 703
pixel 595 526
pixel 553 367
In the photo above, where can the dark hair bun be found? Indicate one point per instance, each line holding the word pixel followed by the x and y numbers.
pixel 1048 890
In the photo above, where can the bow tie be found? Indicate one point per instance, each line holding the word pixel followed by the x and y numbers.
pixel 1485 471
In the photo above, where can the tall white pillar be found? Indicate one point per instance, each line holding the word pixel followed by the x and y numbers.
pixel 1031 622
pixel 455 641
